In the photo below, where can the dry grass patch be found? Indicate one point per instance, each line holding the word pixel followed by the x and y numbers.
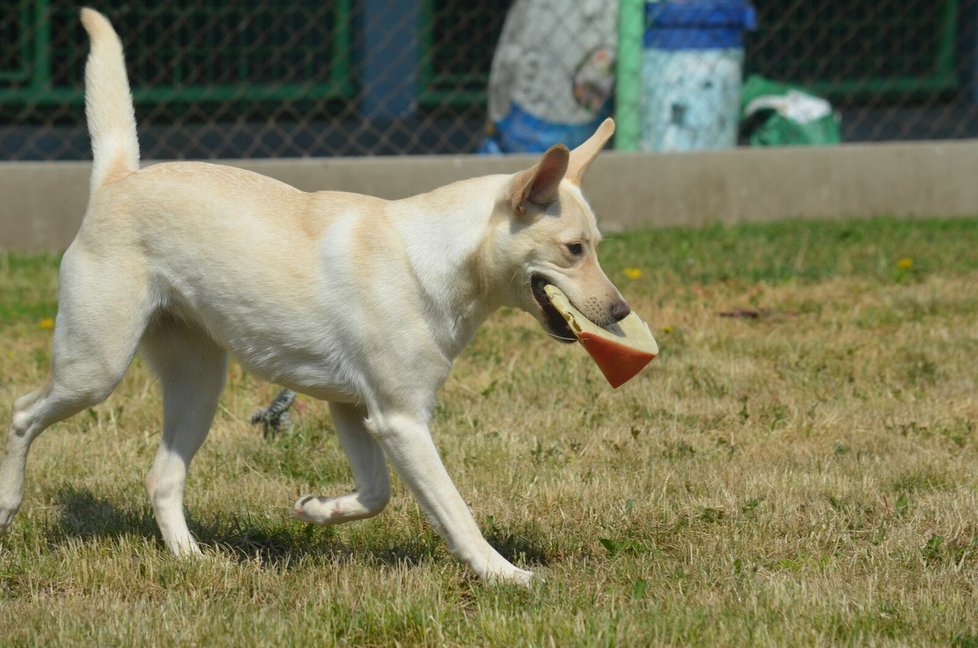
pixel 805 476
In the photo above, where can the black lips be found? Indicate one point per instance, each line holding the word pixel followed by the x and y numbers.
pixel 555 321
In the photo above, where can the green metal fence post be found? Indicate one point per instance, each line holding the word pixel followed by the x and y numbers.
pixel 42 46
pixel 628 84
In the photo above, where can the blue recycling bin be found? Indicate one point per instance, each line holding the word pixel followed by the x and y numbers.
pixel 692 70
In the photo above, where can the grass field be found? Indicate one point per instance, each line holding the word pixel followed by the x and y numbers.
pixel 804 472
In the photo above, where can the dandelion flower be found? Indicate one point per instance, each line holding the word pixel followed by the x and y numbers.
pixel 633 273
pixel 905 263
pixel 47 323
pixel 667 329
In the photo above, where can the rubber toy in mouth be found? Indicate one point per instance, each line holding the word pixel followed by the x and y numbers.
pixel 620 350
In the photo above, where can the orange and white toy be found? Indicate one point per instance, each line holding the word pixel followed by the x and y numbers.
pixel 620 351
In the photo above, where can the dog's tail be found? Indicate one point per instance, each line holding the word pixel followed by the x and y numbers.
pixel 108 103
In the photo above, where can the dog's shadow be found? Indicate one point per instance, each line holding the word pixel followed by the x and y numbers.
pixel 85 516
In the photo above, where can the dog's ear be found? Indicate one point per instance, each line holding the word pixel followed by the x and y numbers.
pixel 540 183
pixel 582 156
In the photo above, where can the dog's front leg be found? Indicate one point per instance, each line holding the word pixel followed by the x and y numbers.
pixel 409 447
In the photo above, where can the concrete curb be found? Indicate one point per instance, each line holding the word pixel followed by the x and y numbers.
pixel 41 203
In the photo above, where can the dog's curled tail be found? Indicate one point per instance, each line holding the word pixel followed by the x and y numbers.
pixel 108 103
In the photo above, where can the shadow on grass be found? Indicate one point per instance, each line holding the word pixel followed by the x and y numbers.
pixel 273 543
pixel 84 516
pixel 522 545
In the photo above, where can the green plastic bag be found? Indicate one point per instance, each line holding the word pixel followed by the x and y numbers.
pixel 779 114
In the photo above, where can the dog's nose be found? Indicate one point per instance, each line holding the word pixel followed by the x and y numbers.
pixel 620 310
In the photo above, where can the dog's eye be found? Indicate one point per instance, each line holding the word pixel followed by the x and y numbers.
pixel 575 248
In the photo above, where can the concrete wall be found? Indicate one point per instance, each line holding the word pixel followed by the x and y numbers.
pixel 41 203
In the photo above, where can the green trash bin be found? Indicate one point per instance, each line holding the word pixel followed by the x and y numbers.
pixel 780 114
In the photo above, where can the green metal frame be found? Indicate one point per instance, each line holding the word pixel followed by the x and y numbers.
pixel 35 71
pixel 23 72
pixel 32 75
pixel 430 82
pixel 942 79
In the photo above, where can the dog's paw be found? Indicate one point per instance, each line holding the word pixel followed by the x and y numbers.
pixel 512 576
pixel 7 513
pixel 335 510
pixel 317 510
pixel 182 544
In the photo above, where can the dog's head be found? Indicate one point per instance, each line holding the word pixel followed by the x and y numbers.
pixel 552 238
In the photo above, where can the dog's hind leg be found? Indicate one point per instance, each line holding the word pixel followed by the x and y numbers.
pixel 103 308
pixel 191 368
pixel 373 488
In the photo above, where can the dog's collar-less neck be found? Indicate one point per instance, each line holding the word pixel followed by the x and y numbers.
pixel 451 278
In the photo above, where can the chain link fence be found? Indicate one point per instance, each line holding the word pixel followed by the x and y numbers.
pixel 269 78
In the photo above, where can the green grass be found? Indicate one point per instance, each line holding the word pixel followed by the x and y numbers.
pixel 29 287
pixel 802 477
